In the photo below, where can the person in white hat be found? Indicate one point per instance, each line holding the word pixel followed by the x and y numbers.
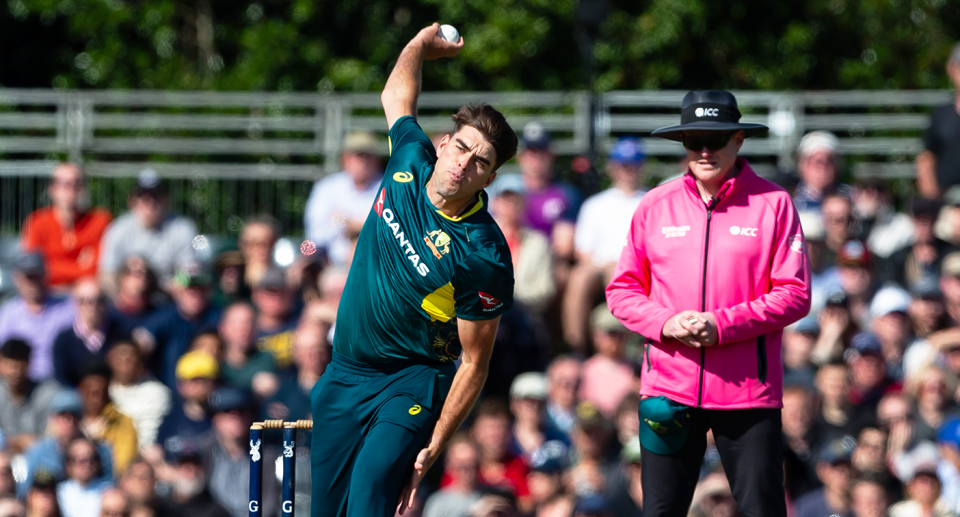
pixel 818 162
pixel 339 203
pixel 889 321
pixel 528 398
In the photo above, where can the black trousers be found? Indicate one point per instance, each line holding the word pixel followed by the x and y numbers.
pixel 749 443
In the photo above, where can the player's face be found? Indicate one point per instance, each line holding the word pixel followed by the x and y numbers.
pixel 465 162
pixel 712 165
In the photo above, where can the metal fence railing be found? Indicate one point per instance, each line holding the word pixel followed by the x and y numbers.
pixel 230 154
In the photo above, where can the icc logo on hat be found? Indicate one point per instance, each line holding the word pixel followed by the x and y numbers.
pixel 705 112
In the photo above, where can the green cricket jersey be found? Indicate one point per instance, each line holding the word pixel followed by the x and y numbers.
pixel 416 270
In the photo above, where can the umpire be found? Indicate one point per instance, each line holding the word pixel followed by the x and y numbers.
pixel 714 267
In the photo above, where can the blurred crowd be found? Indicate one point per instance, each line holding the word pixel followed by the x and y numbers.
pixel 135 353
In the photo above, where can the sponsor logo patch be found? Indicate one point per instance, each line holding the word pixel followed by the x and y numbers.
pixel 488 301
pixel 408 250
pixel 742 230
pixel 796 243
pixel 378 206
pixel 670 232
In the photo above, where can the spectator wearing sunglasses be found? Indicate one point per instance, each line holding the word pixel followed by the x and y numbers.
pixel 89 337
pixel 715 266
pixel 79 495
pixel 67 233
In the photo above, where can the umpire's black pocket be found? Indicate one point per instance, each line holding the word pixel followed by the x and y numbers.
pixel 762 358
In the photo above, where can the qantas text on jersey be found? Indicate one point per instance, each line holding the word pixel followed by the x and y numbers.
pixel 411 253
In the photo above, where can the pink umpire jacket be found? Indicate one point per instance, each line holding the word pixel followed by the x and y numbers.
pixel 741 257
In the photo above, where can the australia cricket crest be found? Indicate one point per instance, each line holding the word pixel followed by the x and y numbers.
pixel 439 242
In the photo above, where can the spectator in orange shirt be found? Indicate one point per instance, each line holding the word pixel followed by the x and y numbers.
pixel 66 233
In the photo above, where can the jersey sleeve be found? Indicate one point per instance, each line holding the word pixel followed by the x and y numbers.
pixel 406 135
pixel 483 284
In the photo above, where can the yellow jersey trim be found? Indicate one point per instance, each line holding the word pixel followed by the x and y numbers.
pixel 439 304
pixel 389 146
pixel 470 212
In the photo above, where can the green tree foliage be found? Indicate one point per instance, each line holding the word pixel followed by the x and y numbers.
pixel 350 45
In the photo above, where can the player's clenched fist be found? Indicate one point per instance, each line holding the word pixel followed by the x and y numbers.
pixel 434 46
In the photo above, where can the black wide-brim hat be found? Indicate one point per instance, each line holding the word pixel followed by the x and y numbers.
pixel 708 111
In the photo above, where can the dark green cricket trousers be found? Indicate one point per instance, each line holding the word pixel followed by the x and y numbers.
pixel 369 423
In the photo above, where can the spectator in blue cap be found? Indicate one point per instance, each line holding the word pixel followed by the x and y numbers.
pixel 63 426
pixel 927 312
pixel 798 341
pixel 833 469
pixel 549 202
pixel 535 287
pixel 551 206
pixel 34 315
pixel 547 490
pixel 868 378
pixel 603 222
pixel 534 284
pixel 592 506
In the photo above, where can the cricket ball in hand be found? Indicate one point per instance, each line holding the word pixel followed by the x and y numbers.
pixel 449 33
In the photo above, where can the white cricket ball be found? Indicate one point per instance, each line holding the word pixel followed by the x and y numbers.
pixel 449 33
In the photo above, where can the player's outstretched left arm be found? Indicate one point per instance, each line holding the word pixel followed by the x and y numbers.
pixel 476 338
pixel 399 97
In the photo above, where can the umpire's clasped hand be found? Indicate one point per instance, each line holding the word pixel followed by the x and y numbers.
pixel 692 328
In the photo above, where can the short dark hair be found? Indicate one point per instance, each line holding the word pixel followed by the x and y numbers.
pixel 492 125
pixel 264 220
pixel 16 349
pixel 493 408
pixel 94 368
